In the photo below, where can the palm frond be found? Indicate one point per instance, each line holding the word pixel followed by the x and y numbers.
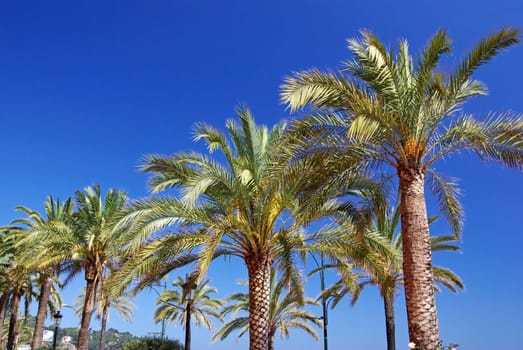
pixel 447 195
pixel 482 53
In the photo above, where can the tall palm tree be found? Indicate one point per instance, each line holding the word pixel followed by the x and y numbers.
pixel 238 208
pixel 286 312
pixel 86 244
pixel 37 225
pixel 181 304
pixel 388 276
pixel 391 110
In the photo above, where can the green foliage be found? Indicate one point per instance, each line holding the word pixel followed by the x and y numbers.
pixel 114 340
pixel 25 327
pixel 148 343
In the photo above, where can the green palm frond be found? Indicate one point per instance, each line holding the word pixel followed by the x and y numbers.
pixel 437 46
pixel 120 303
pixel 448 279
pixel 482 53
pixel 447 195
pixel 373 64
pixel 320 89
pixel 239 323
pixel 444 243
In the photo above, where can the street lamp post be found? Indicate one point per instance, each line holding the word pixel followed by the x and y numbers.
pixel 191 287
pixel 324 301
pixel 57 319
pixel 163 319
pixel 164 286
pixel 325 306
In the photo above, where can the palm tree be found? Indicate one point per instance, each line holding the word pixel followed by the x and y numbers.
pixel 19 278
pixel 391 110
pixel 286 312
pixel 86 244
pixel 18 291
pixel 35 224
pixel 105 301
pixel 388 276
pixel 5 292
pixel 121 304
pixel 185 301
pixel 240 208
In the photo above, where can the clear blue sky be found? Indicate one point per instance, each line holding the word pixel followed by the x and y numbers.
pixel 88 87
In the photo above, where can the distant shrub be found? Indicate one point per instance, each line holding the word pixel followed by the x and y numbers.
pixel 149 343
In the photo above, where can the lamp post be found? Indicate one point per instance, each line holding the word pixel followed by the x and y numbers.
pixel 164 286
pixel 325 317
pixel 57 319
pixel 324 301
pixel 189 287
pixel 163 319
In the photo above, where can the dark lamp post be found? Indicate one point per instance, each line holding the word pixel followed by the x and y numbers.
pixel 325 300
pixel 190 299
pixel 57 319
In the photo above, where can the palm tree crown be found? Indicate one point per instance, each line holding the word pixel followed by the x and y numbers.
pixel 172 304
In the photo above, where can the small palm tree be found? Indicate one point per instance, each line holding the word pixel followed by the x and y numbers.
pixel 390 110
pixel 286 312
pixel 105 301
pixel 185 301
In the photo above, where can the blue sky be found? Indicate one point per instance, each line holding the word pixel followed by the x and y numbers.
pixel 89 87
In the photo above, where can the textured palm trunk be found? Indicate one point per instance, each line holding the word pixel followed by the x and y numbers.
pixel 45 292
pixel 4 298
pixel 259 267
pixel 390 325
pixel 103 331
pixel 417 262
pixel 90 290
pixel 13 322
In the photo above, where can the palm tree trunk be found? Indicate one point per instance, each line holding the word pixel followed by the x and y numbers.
pixel 90 290
pixel 259 267
pixel 272 335
pixel 43 301
pixel 417 262
pixel 105 316
pixel 4 299
pixel 390 325
pixel 13 322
